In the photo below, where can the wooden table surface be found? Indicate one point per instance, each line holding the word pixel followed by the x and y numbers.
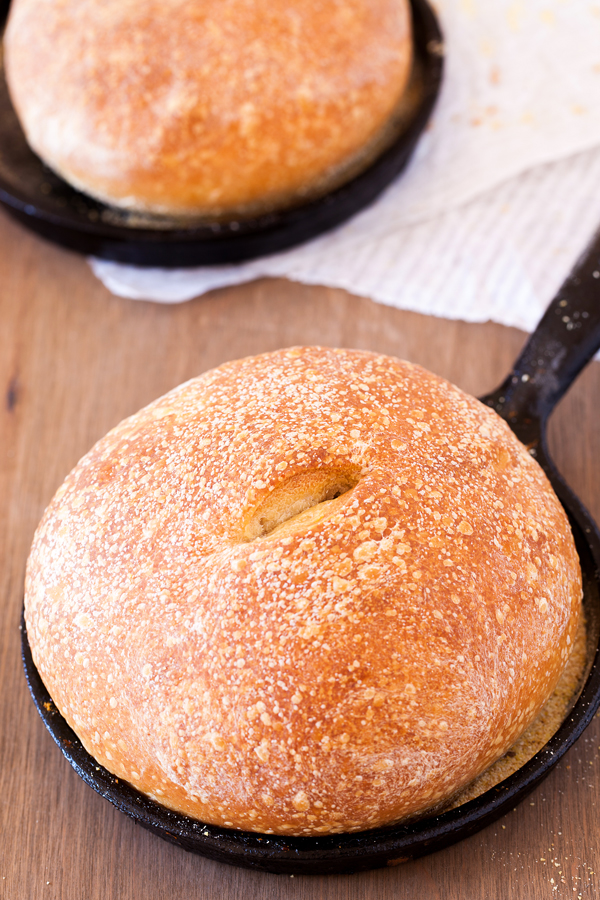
pixel 74 360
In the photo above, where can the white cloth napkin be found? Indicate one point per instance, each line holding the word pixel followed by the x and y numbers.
pixel 502 193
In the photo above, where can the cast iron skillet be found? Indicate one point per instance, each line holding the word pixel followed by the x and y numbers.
pixel 45 203
pixel 565 340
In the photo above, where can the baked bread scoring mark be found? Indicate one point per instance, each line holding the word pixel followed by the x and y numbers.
pixel 301 501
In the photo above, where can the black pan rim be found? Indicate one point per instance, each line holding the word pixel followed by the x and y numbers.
pixel 236 241
pixel 337 853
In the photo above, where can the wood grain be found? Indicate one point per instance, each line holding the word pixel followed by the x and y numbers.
pixel 73 361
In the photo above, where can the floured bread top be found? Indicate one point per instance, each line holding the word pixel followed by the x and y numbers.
pixel 312 591
pixel 203 108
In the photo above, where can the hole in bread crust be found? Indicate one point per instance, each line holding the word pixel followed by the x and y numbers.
pixel 300 502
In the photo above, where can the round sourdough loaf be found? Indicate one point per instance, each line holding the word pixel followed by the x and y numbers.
pixel 203 108
pixel 312 591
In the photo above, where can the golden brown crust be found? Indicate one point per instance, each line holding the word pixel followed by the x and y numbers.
pixel 551 716
pixel 354 665
pixel 191 107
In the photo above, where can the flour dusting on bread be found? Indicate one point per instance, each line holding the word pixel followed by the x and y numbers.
pixel 307 592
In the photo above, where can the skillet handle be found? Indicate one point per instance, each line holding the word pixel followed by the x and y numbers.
pixel 566 338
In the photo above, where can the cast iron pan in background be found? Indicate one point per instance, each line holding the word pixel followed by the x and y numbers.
pixel 565 340
pixel 45 203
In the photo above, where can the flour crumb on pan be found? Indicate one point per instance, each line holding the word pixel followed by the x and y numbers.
pixel 308 592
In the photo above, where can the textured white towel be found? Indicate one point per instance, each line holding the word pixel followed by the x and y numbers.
pixel 500 198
